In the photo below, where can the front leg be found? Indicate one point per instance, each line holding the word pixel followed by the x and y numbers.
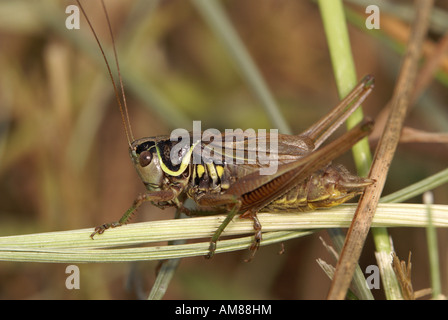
pixel 156 196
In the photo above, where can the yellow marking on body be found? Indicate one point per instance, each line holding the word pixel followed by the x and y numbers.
pixel 220 171
pixel 184 164
pixel 212 172
pixel 200 170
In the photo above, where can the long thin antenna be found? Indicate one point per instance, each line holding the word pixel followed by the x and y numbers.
pixel 124 114
pixel 118 70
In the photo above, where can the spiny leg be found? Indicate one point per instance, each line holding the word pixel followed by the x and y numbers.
pixel 258 234
pixel 150 196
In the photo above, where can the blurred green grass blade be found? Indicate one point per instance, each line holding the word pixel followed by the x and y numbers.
pixel 164 276
pixel 215 16
pixel 417 188
pixel 433 251
pixel 333 18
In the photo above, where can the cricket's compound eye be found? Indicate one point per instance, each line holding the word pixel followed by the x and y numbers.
pixel 145 158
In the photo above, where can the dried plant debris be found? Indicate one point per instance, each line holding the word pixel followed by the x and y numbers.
pixel 403 271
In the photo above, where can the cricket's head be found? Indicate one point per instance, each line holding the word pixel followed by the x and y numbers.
pixel 146 161
pixel 159 159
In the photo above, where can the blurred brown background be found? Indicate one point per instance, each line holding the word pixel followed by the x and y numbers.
pixel 63 154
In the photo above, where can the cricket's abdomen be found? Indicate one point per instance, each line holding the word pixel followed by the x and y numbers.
pixel 326 188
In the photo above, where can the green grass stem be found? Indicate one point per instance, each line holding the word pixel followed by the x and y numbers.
pixel 75 246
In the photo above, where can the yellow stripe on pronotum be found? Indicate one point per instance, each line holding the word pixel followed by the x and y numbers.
pixel 184 164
